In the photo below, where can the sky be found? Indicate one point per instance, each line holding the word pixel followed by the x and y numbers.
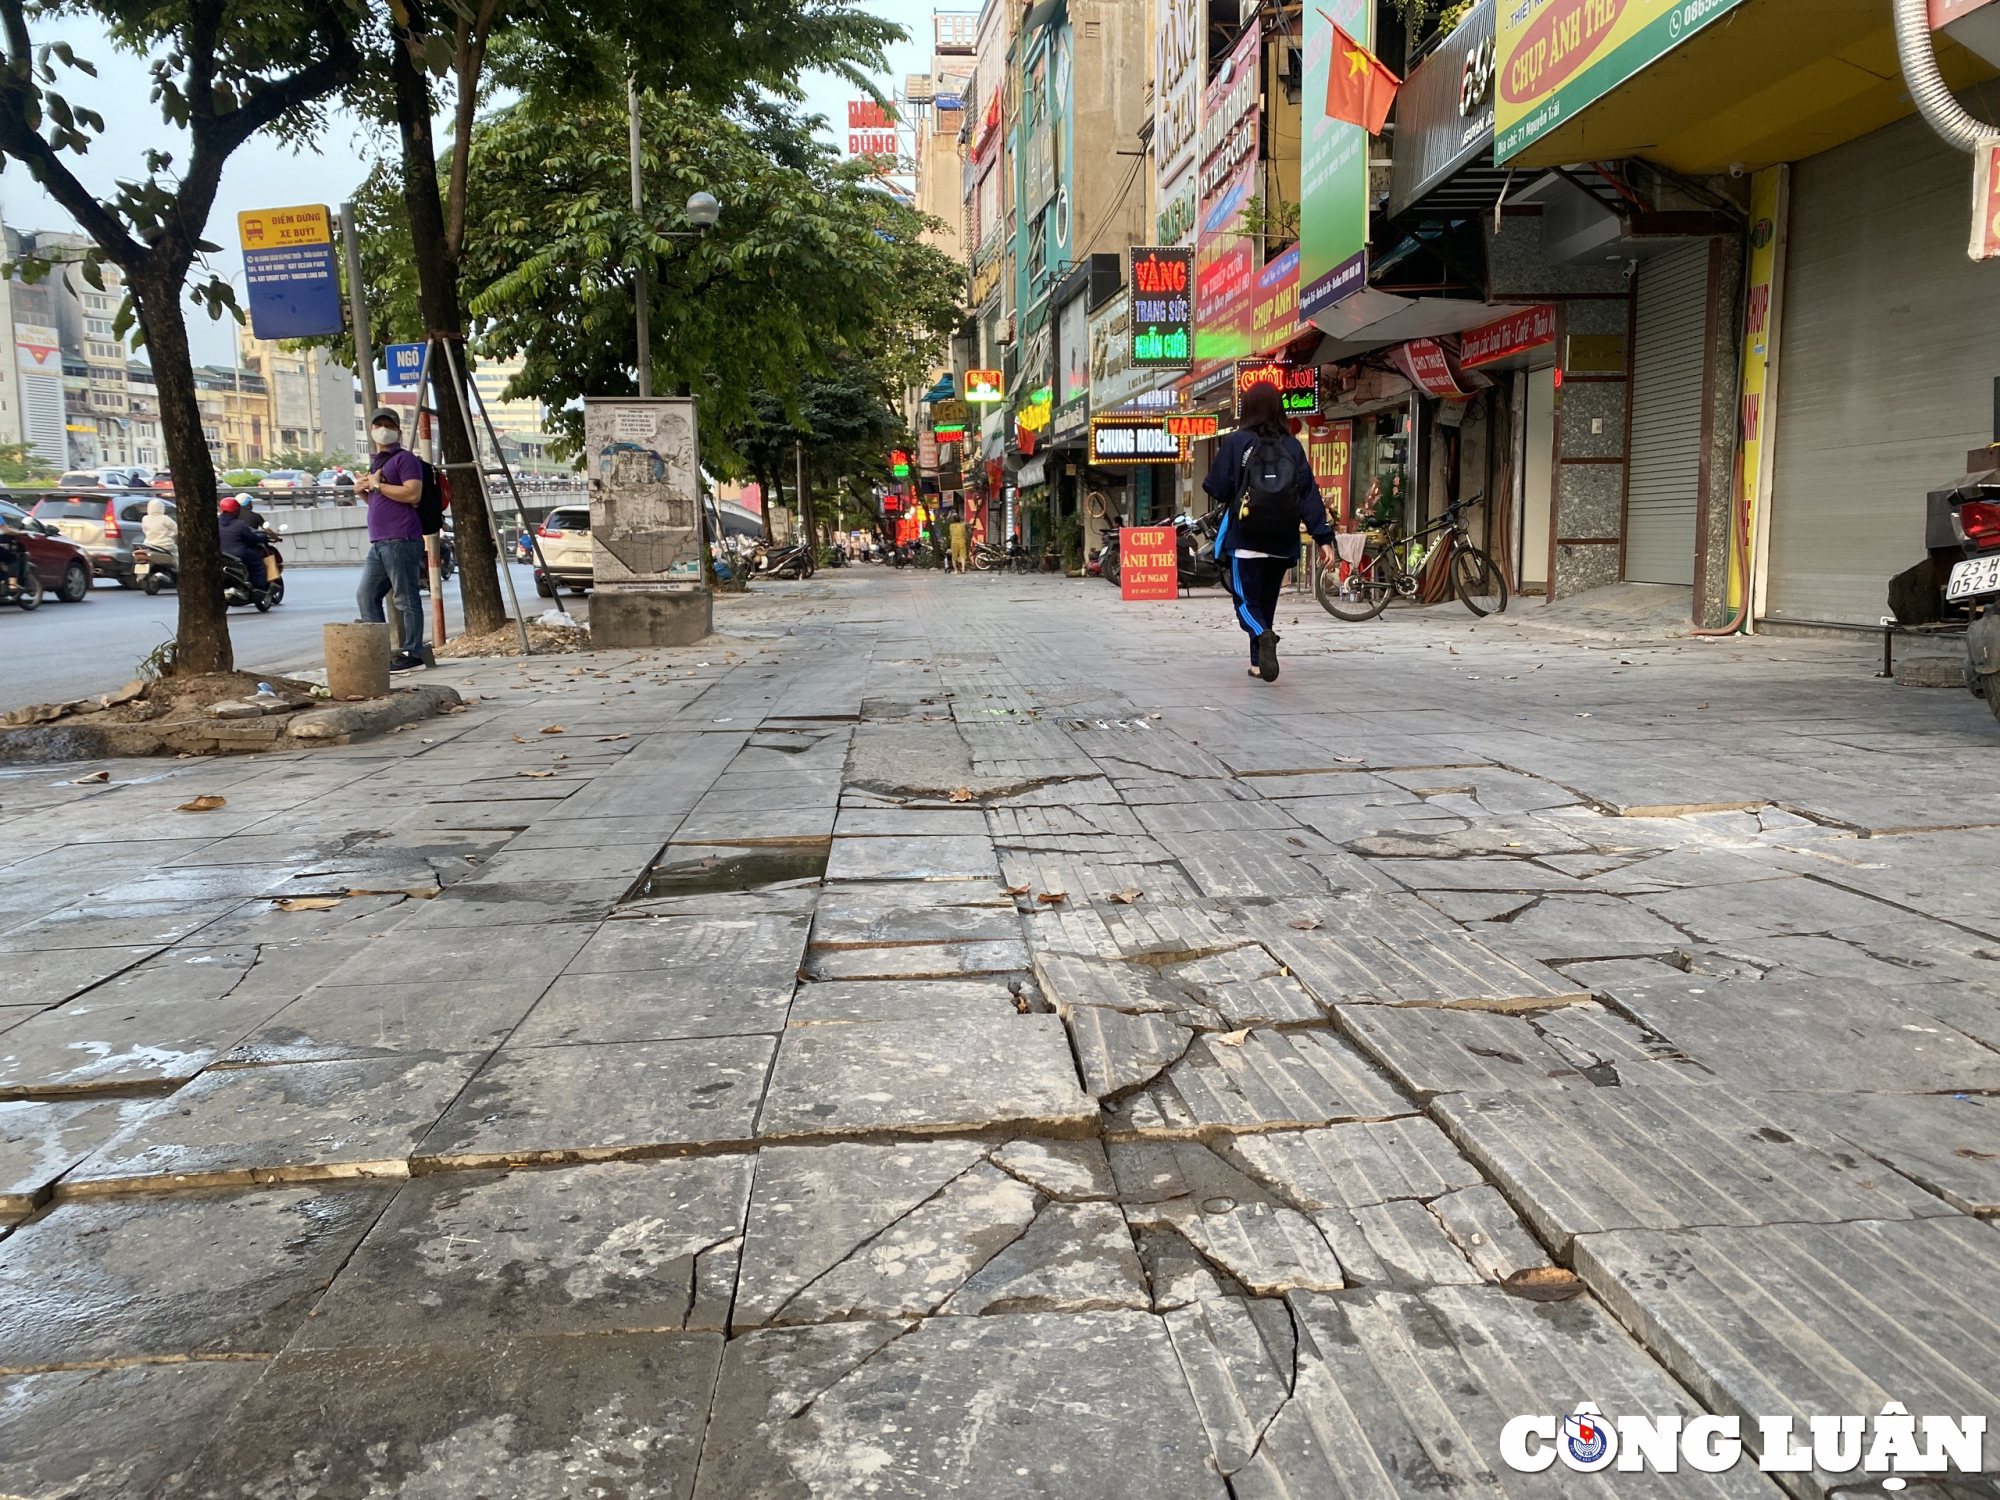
pixel 272 173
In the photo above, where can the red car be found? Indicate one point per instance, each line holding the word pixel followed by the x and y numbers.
pixel 63 566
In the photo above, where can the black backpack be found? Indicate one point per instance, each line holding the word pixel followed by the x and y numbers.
pixel 432 501
pixel 1267 506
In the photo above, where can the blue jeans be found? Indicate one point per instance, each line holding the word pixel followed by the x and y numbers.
pixel 395 567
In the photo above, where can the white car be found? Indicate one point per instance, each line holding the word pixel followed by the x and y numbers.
pixel 562 545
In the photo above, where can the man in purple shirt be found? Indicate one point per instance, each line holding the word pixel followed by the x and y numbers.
pixel 394 484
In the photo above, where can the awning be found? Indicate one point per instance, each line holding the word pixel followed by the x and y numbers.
pixel 944 390
pixel 1370 319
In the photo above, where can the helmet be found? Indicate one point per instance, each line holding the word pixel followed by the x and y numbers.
pixel 230 505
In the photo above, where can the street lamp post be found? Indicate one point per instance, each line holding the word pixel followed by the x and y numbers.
pixel 702 212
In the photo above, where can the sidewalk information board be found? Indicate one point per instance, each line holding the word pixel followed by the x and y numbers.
pixel 645 492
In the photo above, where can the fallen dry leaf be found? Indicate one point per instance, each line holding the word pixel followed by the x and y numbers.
pixel 1017 890
pixel 536 775
pixel 1304 924
pixel 1350 760
pixel 961 794
pixel 1701 705
pixel 1053 898
pixel 307 903
pixel 552 729
pixel 1543 1284
pixel 517 739
pixel 106 775
pixel 1452 649
pixel 606 739
pixel 1127 896
pixel 207 802
pixel 1230 1038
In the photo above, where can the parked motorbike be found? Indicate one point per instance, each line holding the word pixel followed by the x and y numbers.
pixel 238 588
pixel 20 584
pixel 1194 550
pixel 447 564
pixel 1974 582
pixel 157 567
pixel 793 561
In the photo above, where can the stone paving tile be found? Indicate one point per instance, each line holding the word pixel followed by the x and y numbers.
pixel 77 1434
pixel 1248 987
pixel 1068 1171
pixel 364 1020
pixel 1144 928
pixel 939 1002
pixel 600 1102
pixel 523 1419
pixel 462 956
pixel 289 1122
pixel 908 918
pixel 463 1257
pixel 981 1073
pixel 917 858
pixel 1643 1158
pixel 761 949
pixel 1092 1406
pixel 1446 968
pixel 1397 1243
pixel 207 1273
pixel 1487 1233
pixel 1238 1355
pixel 88 1045
pixel 1119 1050
pixel 1271 1080
pixel 1354 1166
pixel 652 1006
pixel 1431 1052
pixel 1074 1258
pixel 1813 1319
pixel 1841 1038
pixel 1948 1144
pixel 917 961
pixel 41 1140
pixel 1083 877
pixel 910 822
pixel 1405 1392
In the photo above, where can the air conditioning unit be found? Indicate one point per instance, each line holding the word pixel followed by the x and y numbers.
pixel 1005 333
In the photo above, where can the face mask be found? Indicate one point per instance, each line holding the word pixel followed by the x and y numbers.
pixel 384 435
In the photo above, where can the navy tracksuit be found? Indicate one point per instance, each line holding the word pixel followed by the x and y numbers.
pixel 1255 582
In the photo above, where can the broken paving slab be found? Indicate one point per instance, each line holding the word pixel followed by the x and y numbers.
pixel 49 977
pixel 761 949
pixel 289 1122
pixel 813 1206
pixel 1119 1050
pixel 1068 1171
pixel 602 1102
pixel 1487 1232
pixel 912 918
pixel 1836 1038
pixel 1813 1319
pixel 1443 968
pixel 652 1006
pixel 1571 929
pixel 1434 1052
pixel 1948 1144
pixel 463 955
pixel 40 1140
pixel 979 1073
pixel 525 1419
pixel 918 961
pixel 1356 1165
pixel 960 857
pixel 1089 1406
pixel 1248 987
pixel 208 1273
pixel 1086 877
pixel 1403 1393
pixel 1149 927
pixel 1269 1080
pixel 462 1257
pixel 864 1002
pixel 78 1434
pixel 1268 1248
pixel 1237 1354
pixel 913 1264
pixel 1071 983
pixel 1590 1160
pixel 1074 1258
pixel 1398 1243
pixel 89 1046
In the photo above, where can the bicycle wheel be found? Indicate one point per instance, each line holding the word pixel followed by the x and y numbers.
pixel 1362 595
pixel 1476 581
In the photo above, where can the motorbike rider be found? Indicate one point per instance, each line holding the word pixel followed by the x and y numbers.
pixel 161 530
pixel 242 539
pixel 1256 557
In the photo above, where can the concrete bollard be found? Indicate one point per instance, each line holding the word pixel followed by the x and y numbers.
pixel 357 660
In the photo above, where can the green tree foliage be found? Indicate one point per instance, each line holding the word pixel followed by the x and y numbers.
pixel 20 464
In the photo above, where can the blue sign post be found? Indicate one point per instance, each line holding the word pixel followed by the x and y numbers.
pixel 404 362
pixel 288 267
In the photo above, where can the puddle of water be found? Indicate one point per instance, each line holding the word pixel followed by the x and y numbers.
pixel 746 871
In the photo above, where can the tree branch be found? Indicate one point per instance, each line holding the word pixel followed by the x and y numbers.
pixel 471 61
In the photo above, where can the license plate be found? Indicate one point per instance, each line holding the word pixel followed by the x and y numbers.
pixel 142 569
pixel 1973 577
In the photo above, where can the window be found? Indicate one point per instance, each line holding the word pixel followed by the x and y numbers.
pixel 99 326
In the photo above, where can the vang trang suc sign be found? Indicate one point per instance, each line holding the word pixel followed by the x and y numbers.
pixel 1162 306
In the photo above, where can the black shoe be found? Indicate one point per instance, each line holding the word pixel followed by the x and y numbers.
pixel 1267 656
pixel 400 663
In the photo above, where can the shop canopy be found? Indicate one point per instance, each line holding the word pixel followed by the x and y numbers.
pixel 944 390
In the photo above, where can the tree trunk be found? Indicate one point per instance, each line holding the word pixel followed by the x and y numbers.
pixel 807 522
pixel 437 300
pixel 764 502
pixel 201 643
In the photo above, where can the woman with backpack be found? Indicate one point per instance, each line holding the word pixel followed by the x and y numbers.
pixel 1262 480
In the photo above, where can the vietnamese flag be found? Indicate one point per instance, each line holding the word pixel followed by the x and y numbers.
pixel 1359 89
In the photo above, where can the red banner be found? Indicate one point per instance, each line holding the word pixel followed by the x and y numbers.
pixel 1526 329
pixel 1428 367
pixel 1330 451
pixel 1147 568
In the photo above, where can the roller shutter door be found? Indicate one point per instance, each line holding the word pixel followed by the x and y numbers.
pixel 1886 361
pixel 1662 485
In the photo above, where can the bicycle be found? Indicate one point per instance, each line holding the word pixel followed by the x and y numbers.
pixel 1394 569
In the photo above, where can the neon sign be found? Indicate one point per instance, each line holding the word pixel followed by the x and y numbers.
pixel 985 385
pixel 1298 385
pixel 1162 306
pixel 1194 425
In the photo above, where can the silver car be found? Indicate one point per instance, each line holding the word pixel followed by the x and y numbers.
pixel 106 524
pixel 563 540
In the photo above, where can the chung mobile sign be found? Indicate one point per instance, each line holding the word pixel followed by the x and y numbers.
pixel 1162 306
pixel 1588 1442
pixel 1555 57
pixel 1134 440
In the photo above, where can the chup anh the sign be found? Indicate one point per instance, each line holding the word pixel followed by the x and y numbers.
pixel 1147 565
